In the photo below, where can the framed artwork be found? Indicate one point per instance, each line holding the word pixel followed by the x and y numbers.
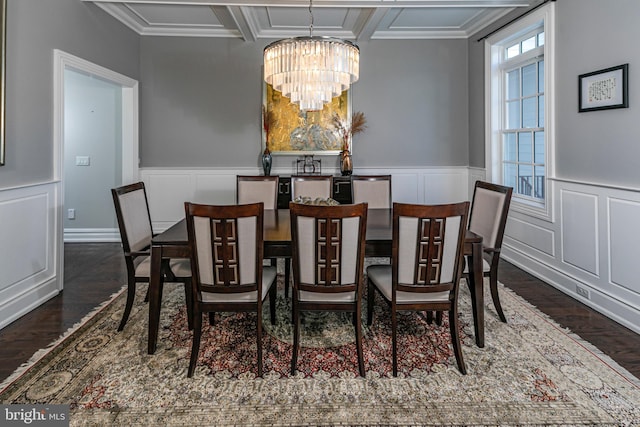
pixel 604 89
pixel 3 44
pixel 287 130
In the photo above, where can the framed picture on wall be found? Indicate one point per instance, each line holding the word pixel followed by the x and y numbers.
pixel 604 89
pixel 287 130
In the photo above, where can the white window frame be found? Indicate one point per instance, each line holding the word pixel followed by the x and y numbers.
pixel 494 103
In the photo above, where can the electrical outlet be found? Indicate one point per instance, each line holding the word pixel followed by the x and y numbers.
pixel 582 292
pixel 71 214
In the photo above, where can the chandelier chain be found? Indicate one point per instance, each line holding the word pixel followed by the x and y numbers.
pixel 312 70
pixel 311 18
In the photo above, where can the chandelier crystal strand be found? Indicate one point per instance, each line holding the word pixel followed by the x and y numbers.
pixel 312 70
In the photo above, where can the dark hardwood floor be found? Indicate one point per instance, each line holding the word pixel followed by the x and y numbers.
pixel 94 271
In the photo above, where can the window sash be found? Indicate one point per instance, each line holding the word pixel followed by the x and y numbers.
pixel 523 166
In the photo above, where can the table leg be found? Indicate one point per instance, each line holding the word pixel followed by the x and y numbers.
pixel 155 282
pixel 477 292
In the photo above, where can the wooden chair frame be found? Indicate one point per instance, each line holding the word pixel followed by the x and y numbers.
pixel 491 253
pixel 422 212
pixel 325 215
pixel 225 285
pixel 133 257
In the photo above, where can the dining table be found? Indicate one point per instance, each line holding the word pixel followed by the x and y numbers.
pixel 174 243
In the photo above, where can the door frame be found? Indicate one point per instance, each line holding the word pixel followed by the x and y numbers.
pixel 130 136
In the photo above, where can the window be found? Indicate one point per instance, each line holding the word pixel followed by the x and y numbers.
pixel 523 146
pixel 519 146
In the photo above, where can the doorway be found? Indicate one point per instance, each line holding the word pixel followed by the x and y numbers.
pixel 124 91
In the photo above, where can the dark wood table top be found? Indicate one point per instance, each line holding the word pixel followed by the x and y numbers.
pixel 277 228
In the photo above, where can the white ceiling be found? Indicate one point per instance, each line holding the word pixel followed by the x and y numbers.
pixel 357 20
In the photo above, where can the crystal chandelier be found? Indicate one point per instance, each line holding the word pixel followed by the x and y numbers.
pixel 310 70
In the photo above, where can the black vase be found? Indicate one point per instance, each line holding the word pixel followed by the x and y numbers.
pixel 266 162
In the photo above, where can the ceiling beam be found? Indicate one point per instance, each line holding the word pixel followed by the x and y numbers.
pixel 370 24
pixel 338 3
pixel 243 25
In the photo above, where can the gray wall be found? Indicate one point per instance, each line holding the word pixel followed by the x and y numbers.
pixel 601 146
pixel 34 29
pixel 93 128
pixel 201 103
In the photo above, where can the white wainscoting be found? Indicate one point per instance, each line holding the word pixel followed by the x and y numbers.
pixel 30 250
pixel 591 246
pixel 169 188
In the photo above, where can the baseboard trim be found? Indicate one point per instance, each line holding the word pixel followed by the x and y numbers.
pixel 601 302
pixel 91 235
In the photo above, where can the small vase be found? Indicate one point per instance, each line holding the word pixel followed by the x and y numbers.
pixel 346 166
pixel 266 162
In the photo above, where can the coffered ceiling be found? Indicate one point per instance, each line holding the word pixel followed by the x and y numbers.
pixel 358 20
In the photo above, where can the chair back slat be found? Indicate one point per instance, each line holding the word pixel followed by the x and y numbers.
pixel 226 246
pixel 428 246
pixel 327 242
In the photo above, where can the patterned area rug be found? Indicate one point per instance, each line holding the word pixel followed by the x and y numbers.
pixel 531 372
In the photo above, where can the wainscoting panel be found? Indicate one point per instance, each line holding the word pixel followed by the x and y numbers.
pixel 475 174
pixel 167 191
pixel 529 236
pixel 625 236
pixel 580 230
pixel 169 188
pixel 448 186
pixel 215 189
pixel 596 233
pixel 404 188
pixel 29 250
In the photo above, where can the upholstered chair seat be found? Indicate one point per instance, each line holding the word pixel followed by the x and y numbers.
pixel 486 267
pixel 380 275
pixel 268 278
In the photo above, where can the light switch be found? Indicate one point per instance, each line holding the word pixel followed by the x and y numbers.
pixel 83 160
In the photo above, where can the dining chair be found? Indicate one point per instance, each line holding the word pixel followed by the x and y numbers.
pixel 372 189
pixel 254 189
pixel 488 218
pixel 313 186
pixel 328 245
pixel 426 267
pixel 134 222
pixel 228 275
